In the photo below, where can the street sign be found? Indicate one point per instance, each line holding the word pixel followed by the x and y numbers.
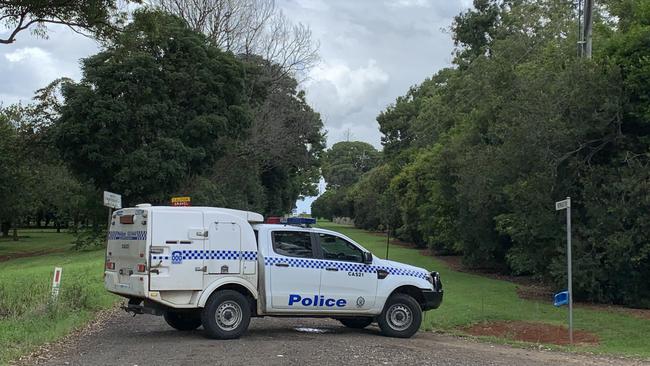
pixel 561 298
pixel 181 201
pixel 112 200
pixel 56 282
pixel 561 205
pixel 566 205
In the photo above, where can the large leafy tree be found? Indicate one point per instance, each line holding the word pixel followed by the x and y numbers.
pixel 346 161
pixel 154 109
pixel 277 159
pixel 11 175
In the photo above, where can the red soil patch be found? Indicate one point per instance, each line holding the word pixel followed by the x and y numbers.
pixel 531 332
pixel 7 257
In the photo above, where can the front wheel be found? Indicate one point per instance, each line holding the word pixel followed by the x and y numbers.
pixel 356 323
pixel 182 320
pixel 401 317
pixel 226 315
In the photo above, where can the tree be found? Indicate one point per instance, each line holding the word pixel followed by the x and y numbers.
pixel 99 18
pixel 346 161
pixel 482 151
pixel 250 27
pixel 286 139
pixel 11 176
pixel 367 197
pixel 154 109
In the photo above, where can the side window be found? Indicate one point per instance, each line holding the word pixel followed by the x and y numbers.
pixel 293 243
pixel 335 248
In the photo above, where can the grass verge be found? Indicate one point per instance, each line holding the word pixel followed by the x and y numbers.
pixel 34 241
pixel 470 299
pixel 28 318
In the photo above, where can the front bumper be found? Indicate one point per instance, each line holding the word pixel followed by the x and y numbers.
pixel 432 299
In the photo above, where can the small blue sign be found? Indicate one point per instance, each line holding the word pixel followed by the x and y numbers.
pixel 561 298
pixel 177 257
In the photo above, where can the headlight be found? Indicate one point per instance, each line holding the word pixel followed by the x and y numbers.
pixel 434 279
pixel 430 279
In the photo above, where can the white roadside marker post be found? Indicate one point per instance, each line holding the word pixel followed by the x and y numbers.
pixel 56 283
pixel 566 205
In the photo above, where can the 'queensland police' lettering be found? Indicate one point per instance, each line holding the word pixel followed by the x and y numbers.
pixel 316 301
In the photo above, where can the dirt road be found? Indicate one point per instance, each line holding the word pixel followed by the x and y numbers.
pixel 148 340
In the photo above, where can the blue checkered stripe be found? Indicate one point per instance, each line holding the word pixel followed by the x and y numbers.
pixel 127 235
pixel 343 266
pixel 214 255
pixel 403 272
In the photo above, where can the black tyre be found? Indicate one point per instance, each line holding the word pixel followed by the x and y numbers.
pixel 183 320
pixel 356 323
pixel 226 315
pixel 401 317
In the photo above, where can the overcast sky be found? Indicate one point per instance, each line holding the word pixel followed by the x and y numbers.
pixel 371 52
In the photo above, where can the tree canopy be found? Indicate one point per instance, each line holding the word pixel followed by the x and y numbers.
pixel 99 18
pixel 476 155
pixel 346 161
pixel 162 111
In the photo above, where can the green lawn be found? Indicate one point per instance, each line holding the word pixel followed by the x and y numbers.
pixel 34 241
pixel 27 317
pixel 471 299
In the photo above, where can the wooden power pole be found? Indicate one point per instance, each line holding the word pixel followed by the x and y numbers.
pixel 587 29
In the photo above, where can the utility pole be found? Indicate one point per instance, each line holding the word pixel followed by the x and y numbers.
pixel 585 31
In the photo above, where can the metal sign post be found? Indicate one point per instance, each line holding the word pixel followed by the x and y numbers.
pixel 566 205
pixel 387 239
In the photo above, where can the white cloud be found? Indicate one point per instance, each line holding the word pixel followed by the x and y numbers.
pixel 340 89
pixel 23 53
pixel 27 69
pixel 31 62
pixel 408 3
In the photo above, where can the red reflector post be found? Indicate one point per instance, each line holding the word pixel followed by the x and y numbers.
pixel 141 267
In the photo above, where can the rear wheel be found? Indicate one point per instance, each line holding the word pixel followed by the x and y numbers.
pixel 226 315
pixel 183 320
pixel 356 323
pixel 401 317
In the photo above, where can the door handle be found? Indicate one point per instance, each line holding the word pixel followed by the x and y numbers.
pixel 201 269
pixel 332 269
pixel 282 264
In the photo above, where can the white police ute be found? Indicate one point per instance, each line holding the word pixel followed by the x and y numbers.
pixel 219 267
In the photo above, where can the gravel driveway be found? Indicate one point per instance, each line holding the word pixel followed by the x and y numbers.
pixel 146 340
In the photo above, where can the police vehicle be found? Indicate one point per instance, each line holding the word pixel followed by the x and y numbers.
pixel 218 267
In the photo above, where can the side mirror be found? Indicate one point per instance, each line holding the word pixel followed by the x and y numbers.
pixel 367 258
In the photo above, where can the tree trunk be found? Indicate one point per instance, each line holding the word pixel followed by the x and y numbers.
pixel 15 234
pixel 58 226
pixel 4 227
